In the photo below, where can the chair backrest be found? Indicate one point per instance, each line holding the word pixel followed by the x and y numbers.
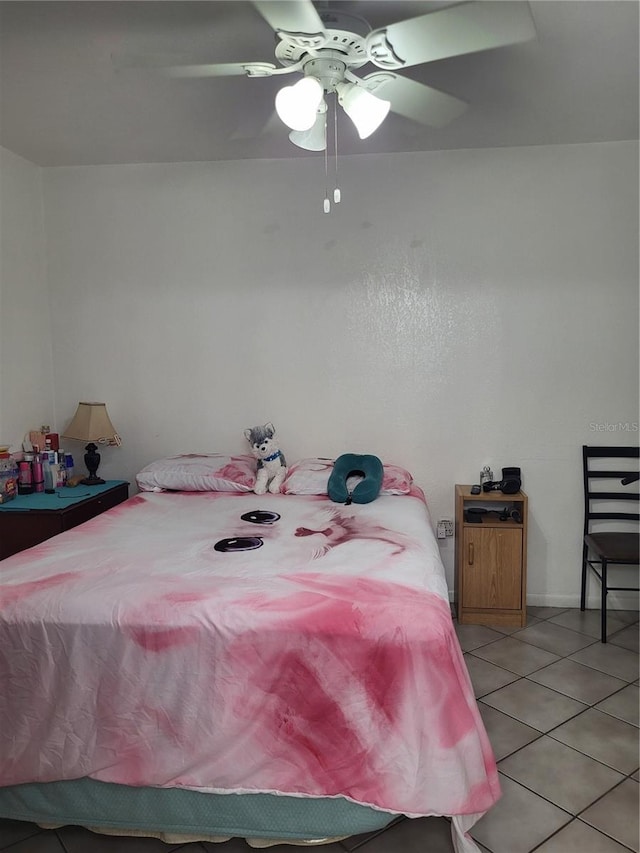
pixel 615 500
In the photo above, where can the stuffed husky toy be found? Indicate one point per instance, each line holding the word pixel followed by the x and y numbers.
pixel 272 467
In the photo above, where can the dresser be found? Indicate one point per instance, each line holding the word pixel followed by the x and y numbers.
pixel 30 519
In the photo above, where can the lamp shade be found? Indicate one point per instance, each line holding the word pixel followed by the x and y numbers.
pixel 365 110
pixel 91 422
pixel 297 105
pixel 314 139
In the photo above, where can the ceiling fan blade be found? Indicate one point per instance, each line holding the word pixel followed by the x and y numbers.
pixel 291 16
pixel 415 100
pixel 224 69
pixel 180 65
pixel 456 30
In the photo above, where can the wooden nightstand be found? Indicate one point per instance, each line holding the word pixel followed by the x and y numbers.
pixel 491 559
pixel 30 519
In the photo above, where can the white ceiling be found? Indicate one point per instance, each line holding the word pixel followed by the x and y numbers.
pixel 62 102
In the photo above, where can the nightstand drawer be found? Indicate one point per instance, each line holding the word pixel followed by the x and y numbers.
pixel 76 515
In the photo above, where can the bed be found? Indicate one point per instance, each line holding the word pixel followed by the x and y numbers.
pixel 214 663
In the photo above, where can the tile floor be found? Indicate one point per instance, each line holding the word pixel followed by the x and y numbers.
pixel 561 711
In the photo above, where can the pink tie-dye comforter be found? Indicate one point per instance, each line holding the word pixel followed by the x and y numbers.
pixel 322 663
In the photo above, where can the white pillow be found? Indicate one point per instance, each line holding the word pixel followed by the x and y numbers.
pixel 199 472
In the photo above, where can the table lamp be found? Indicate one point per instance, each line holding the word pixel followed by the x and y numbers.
pixel 91 423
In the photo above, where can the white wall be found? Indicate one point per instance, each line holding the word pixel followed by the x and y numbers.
pixel 26 371
pixel 458 308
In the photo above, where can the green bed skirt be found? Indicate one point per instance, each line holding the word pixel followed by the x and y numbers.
pixel 85 802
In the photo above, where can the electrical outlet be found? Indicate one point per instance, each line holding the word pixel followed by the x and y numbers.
pixel 441 530
pixel 448 526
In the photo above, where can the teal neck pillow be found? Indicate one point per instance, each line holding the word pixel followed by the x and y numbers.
pixel 350 465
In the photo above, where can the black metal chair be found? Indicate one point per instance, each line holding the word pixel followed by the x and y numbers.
pixel 604 547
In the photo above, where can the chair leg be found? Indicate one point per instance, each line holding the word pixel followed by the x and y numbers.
pixel 583 586
pixel 603 603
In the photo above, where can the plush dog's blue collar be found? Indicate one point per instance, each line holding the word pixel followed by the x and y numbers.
pixel 272 457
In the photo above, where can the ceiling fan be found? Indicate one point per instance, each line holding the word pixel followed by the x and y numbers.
pixel 326 46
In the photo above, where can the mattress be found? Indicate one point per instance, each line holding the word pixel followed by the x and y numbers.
pixel 235 644
pixel 177 815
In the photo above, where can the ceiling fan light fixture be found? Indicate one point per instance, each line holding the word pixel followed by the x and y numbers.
pixel 365 110
pixel 314 139
pixel 297 105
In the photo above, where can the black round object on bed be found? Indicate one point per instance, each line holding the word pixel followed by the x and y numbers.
pixel 260 516
pixel 239 543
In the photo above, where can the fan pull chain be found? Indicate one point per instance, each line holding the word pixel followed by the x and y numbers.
pixel 326 206
pixel 336 192
pixel 326 203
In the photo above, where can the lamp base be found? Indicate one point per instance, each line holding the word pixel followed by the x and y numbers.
pixel 92 461
pixel 92 481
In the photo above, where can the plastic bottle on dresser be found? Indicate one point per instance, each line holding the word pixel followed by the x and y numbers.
pixel 47 469
pixel 8 477
pixel 61 477
pixel 25 476
pixel 68 464
pixel 38 473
